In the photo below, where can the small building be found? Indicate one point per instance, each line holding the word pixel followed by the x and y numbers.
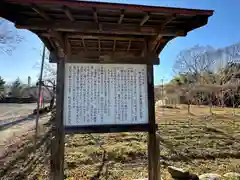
pixel 32 91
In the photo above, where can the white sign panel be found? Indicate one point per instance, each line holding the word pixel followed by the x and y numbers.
pixel 104 94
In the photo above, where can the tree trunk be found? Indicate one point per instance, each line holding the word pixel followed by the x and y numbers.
pixel 210 106
pixel 189 106
pixel 53 97
pixel 222 99
pixel 210 109
pixel 52 103
pixel 233 105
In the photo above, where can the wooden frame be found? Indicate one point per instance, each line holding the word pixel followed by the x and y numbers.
pixel 151 127
pixel 109 122
pixel 57 171
pixel 108 128
pixel 101 33
pixel 89 23
pixel 152 161
pixel 116 58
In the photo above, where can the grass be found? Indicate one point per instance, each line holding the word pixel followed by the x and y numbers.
pixel 200 143
pixel 197 142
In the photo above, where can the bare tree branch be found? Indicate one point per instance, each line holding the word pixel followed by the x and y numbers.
pixel 9 37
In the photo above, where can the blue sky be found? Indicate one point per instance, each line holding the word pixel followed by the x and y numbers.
pixel 223 29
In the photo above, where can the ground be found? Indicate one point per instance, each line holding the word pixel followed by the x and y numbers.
pixel 9 110
pixel 17 124
pixel 10 114
pixel 199 142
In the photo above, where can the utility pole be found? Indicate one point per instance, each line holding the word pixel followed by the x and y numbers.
pixel 162 94
pixel 39 95
pixel 162 88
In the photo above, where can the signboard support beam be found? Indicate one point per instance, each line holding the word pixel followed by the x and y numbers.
pixel 58 142
pixel 152 146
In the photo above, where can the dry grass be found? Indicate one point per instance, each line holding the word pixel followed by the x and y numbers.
pixel 198 142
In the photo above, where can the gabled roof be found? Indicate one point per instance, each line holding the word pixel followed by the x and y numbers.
pixel 96 28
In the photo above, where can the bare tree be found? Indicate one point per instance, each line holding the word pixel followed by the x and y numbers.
pixel 193 64
pixel 171 93
pixel 9 37
pixel 231 89
pixel 49 70
pixel 182 88
pixel 49 77
pixel 17 88
pixel 194 61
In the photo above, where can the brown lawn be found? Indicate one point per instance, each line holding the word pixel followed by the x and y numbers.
pixel 198 142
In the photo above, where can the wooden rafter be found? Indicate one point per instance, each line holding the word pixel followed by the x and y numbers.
pixel 68 13
pixel 114 45
pixel 145 19
pixel 145 50
pixel 157 45
pixel 122 26
pixel 121 17
pixel 110 28
pixel 95 16
pixel 109 49
pixel 117 56
pixel 129 7
pixel 40 12
pixel 47 43
pixel 99 45
pixel 51 42
pixel 129 45
pixel 84 45
pixel 69 48
pixel 58 37
pixel 132 38
pixel 167 21
pixel 160 34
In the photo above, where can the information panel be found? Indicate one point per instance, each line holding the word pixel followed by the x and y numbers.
pixel 105 94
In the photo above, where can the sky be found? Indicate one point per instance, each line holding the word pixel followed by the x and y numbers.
pixel 223 29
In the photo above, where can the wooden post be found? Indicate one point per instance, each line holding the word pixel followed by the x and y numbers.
pixel 157 156
pixel 152 161
pixel 58 151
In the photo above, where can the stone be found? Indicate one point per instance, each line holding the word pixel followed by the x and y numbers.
pixel 234 175
pixel 145 179
pixel 193 177
pixel 178 173
pixel 209 176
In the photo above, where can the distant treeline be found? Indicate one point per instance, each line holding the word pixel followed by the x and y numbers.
pixel 206 99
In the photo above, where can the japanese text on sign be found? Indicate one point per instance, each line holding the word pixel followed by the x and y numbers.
pixel 104 94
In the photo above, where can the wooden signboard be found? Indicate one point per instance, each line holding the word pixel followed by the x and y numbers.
pixel 105 97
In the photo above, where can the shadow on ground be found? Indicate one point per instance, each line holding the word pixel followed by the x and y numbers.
pixel 24 161
pixel 5 124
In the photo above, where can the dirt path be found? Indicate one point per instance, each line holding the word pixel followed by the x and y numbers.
pixel 12 137
pixel 21 158
pixel 9 110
